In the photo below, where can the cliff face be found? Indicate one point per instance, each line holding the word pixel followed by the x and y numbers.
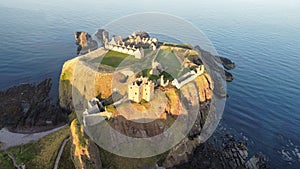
pixel 85 153
pixel 85 43
pixel 70 87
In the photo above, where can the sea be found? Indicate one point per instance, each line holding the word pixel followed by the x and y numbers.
pixel 262 37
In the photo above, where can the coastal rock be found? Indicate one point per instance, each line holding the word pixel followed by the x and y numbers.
pixel 225 152
pixel 85 43
pixel 213 68
pixel 258 161
pixel 229 76
pixel 100 35
pixel 28 107
pixel 227 63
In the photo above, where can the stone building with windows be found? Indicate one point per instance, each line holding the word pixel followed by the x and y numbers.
pixel 141 89
pixel 133 45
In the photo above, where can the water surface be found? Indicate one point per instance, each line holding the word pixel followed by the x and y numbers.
pixel 261 37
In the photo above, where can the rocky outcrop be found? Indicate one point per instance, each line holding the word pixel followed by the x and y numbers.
pixel 223 151
pixel 229 76
pixel 27 108
pixel 205 87
pixel 227 63
pixel 85 43
pixel 85 153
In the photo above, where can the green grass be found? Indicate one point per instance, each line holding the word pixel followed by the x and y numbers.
pixel 66 75
pixel 65 159
pixel 41 154
pixel 5 161
pixel 146 73
pixel 81 137
pixel 169 60
pixel 113 59
pixel 72 116
pixel 167 76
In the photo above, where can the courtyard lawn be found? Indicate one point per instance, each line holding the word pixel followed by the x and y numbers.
pixel 114 59
pixel 169 60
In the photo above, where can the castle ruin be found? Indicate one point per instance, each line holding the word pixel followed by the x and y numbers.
pixel 133 45
pixel 188 77
pixel 141 88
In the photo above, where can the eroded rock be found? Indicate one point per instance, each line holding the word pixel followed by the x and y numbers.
pixel 227 63
pixel 27 107
pixel 85 43
pixel 223 152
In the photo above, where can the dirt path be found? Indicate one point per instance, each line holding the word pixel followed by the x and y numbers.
pixel 60 153
pixel 10 139
pixel 22 166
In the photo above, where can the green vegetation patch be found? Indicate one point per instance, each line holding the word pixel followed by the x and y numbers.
pixel 81 137
pixel 5 161
pixel 66 159
pixel 113 58
pixel 169 60
pixel 167 76
pixel 41 154
pixel 66 75
pixel 146 73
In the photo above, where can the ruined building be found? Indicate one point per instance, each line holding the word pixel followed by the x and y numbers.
pixel 133 45
pixel 118 46
pixel 141 88
pixel 188 77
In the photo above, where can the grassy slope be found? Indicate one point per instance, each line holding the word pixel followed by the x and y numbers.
pixel 5 161
pixel 42 153
pixel 168 60
pixel 66 160
pixel 113 58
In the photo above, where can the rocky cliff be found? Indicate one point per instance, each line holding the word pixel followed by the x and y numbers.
pixel 85 42
pixel 77 67
pixel 85 154
pixel 27 108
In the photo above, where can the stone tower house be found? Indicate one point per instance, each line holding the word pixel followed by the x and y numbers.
pixel 141 88
pixel 135 92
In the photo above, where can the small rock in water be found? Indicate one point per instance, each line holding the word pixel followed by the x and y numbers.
pixel 227 63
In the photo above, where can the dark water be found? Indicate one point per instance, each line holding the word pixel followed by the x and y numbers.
pixel 263 38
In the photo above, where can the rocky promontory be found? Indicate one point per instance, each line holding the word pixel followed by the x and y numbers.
pixel 85 42
pixel 27 108
pixel 94 74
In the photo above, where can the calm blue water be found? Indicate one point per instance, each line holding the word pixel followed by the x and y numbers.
pixel 263 38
